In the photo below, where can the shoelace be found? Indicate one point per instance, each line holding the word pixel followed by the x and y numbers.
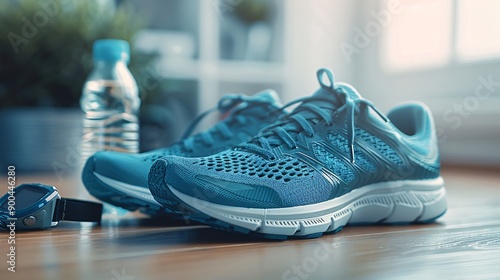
pixel 225 105
pixel 306 113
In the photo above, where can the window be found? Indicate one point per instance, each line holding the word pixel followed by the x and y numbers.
pixel 478 27
pixel 433 33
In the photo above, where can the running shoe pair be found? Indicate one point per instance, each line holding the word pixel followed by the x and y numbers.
pixel 334 160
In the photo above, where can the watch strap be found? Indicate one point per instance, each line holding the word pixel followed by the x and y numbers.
pixel 68 209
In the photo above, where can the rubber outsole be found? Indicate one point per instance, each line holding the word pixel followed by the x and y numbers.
pixel 399 202
pixel 114 196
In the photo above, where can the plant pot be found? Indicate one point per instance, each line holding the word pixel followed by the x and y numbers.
pixel 41 139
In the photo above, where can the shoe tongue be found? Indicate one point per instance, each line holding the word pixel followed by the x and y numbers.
pixel 337 100
pixel 269 95
pixel 351 91
pixel 332 97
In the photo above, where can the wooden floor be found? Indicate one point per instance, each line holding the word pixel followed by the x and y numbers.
pixel 463 244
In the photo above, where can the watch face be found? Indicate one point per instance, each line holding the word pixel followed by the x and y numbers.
pixel 25 197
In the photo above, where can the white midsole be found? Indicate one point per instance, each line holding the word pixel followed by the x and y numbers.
pixel 131 190
pixel 396 201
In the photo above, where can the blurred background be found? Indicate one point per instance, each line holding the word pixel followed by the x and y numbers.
pixel 187 53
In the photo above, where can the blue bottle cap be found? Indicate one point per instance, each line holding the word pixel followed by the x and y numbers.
pixel 111 50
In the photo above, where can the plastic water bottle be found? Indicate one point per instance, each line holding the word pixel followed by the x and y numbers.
pixel 111 102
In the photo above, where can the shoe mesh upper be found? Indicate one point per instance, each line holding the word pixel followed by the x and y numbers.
pixel 252 165
pixel 334 163
pixel 175 149
pixel 361 159
pixel 379 145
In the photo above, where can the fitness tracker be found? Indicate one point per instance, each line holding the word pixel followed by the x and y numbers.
pixel 38 206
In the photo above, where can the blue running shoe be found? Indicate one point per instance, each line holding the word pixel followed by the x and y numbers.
pixel 122 179
pixel 335 160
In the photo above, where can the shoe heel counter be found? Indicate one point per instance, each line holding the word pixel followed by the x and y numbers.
pixel 417 129
pixel 429 162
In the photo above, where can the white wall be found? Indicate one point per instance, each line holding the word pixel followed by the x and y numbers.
pixel 315 30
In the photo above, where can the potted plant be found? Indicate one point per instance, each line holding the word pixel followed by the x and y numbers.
pixel 45 57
